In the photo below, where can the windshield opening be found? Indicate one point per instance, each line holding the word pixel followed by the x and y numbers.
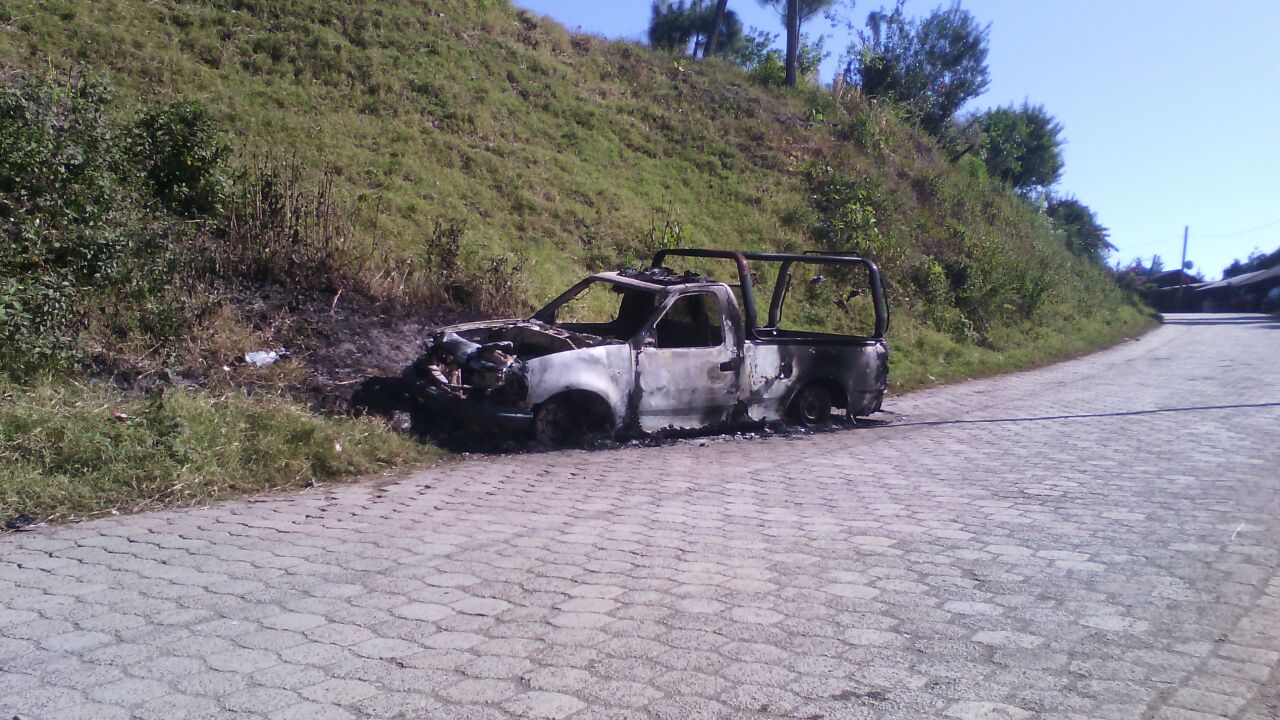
pixel 603 309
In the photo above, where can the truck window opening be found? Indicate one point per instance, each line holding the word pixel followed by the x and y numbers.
pixel 607 310
pixel 692 321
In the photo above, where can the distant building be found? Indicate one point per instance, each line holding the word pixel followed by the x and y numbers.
pixel 1172 291
pixel 1252 292
pixel 1173 278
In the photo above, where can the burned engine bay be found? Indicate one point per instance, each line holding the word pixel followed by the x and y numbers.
pixel 488 363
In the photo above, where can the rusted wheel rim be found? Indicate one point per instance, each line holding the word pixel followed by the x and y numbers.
pixel 554 424
pixel 812 406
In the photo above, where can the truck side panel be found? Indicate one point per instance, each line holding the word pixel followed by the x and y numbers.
pixel 776 370
pixel 607 371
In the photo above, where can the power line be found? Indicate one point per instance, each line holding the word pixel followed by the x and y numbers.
pixel 1242 232
pixel 1273 223
pixel 1154 242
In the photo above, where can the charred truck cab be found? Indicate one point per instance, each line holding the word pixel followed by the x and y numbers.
pixel 647 351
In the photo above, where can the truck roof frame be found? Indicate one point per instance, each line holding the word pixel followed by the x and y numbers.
pixel 787 260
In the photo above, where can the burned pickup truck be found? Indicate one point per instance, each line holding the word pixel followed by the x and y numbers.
pixel 649 351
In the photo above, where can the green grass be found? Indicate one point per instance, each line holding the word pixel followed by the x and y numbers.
pixel 563 154
pixel 923 357
pixel 71 451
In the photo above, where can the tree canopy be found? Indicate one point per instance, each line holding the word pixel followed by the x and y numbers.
pixel 673 25
pixel 1257 261
pixel 932 65
pixel 808 8
pixel 1022 147
pixel 766 65
pixel 1084 235
pixel 794 14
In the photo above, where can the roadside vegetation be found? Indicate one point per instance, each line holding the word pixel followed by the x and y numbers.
pixel 183 182
pixel 73 450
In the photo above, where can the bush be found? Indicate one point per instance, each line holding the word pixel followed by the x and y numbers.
pixel 183 156
pixel 770 71
pixel 68 218
pixel 97 231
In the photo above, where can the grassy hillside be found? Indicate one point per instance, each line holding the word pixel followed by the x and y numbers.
pixel 477 159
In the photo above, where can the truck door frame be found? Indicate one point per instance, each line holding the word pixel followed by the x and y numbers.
pixel 689 388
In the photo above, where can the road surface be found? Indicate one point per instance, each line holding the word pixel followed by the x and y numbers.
pixel 1096 539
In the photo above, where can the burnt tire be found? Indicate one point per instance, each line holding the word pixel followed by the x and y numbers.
pixel 811 406
pixel 567 421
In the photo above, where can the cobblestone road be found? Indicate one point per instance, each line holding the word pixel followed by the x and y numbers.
pixel 1097 539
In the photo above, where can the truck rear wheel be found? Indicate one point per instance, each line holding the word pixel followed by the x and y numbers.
pixel 811 406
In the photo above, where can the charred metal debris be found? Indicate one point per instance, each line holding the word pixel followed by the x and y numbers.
pixel 654 351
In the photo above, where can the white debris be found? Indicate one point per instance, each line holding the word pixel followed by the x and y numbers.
pixel 262 358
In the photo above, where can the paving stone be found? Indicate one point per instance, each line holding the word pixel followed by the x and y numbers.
pixel 382 648
pixel 688 708
pixel 1094 540
pixel 311 711
pixel 543 705
pixel 210 683
pixel 180 706
pixel 242 660
pixel 1213 703
pixel 971 710
pixel 423 611
pixel 406 705
pixel 480 606
pixel 77 641
pixel 128 692
pixel 94 711
pixel 260 700
pixel 562 679
pixel 620 692
pixel 294 621
pixel 339 692
pixel 287 676
pixel 479 691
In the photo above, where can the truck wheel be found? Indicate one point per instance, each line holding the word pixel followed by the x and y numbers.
pixel 811 406
pixel 567 421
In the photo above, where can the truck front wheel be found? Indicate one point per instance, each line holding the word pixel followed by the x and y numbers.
pixel 572 421
pixel 811 406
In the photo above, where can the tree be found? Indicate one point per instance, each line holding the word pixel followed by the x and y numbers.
pixel 1084 235
pixel 793 40
pixel 933 66
pixel 1022 147
pixel 755 54
pixel 670 26
pixel 717 19
pixel 673 25
pixel 1257 261
pixel 795 13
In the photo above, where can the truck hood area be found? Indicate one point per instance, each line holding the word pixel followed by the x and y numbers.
pixel 486 360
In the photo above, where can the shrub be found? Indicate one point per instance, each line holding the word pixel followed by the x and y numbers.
pixel 97 231
pixel 183 156
pixel 68 218
pixel 770 71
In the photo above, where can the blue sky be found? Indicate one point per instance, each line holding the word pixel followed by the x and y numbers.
pixel 1171 107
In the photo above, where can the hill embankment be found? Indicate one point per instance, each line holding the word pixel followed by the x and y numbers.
pixel 189 180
